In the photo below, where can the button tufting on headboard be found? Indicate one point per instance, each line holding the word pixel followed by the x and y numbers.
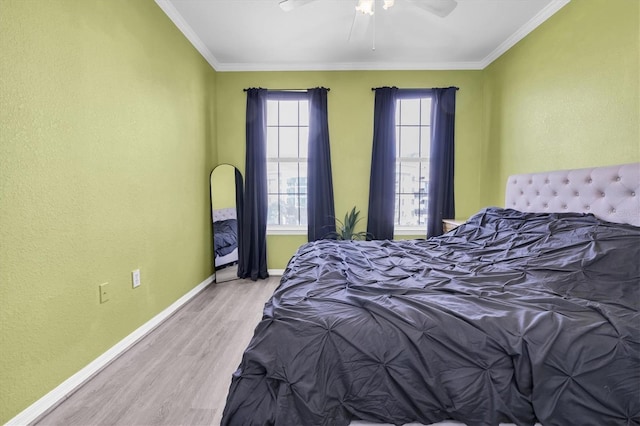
pixel 224 214
pixel 607 192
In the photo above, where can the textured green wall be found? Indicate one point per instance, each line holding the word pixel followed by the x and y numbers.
pixel 106 146
pixel 350 107
pixel 566 96
pixel 223 187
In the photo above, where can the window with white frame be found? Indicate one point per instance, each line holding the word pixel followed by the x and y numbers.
pixel 413 140
pixel 287 152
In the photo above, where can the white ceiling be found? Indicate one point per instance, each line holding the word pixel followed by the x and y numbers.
pixel 256 35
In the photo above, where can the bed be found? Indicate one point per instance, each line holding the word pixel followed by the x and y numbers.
pixel 525 314
pixel 225 237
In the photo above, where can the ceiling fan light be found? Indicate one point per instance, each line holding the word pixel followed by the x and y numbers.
pixel 365 6
pixel 387 4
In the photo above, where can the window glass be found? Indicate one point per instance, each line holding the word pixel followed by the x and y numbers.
pixel 410 138
pixel 288 137
pixel 288 113
pixel 287 152
pixel 272 141
pixel 408 204
pixel 409 112
pixel 409 177
pixel 303 207
pixel 272 113
pixel 413 140
pixel 425 141
pixel 302 183
pixel 425 110
pixel 285 211
pixel 303 111
pixel 303 138
pixel 288 178
pixel 272 177
pixel 273 210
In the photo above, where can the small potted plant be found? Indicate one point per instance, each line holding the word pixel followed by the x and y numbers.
pixel 345 230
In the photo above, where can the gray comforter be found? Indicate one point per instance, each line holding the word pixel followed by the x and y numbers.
pixel 511 317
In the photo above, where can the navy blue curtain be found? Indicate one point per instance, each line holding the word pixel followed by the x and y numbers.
pixel 320 206
pixel 239 213
pixel 441 167
pixel 254 219
pixel 383 166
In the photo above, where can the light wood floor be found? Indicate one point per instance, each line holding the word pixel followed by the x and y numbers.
pixel 180 373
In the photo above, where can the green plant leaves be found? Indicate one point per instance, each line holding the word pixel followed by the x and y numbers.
pixel 345 230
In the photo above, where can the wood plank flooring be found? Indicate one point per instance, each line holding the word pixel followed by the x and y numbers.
pixel 180 373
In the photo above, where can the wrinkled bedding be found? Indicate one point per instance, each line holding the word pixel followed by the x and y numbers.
pixel 512 317
pixel 225 236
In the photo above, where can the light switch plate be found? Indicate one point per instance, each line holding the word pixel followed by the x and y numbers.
pixel 135 278
pixel 104 292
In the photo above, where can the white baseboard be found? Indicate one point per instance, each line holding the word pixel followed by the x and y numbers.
pixel 66 388
pixel 276 272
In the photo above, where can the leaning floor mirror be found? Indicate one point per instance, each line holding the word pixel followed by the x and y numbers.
pixel 226 202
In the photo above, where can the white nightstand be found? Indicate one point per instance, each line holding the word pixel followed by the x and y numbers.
pixel 451 224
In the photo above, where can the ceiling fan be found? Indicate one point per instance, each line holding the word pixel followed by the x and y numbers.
pixel 366 9
pixel 439 8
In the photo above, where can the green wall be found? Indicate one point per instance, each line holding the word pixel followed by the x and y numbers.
pixel 105 151
pixel 350 108
pixel 223 187
pixel 566 96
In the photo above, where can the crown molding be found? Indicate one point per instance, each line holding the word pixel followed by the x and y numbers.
pixel 188 32
pixel 523 31
pixel 351 66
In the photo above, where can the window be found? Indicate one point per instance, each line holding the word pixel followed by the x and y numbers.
pixel 413 140
pixel 287 152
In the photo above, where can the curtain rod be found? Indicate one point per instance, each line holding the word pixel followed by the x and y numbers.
pixel 450 87
pixel 289 90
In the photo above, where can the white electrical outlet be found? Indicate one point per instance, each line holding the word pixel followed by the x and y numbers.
pixel 135 278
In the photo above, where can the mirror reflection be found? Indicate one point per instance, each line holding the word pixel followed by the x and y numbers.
pixel 226 193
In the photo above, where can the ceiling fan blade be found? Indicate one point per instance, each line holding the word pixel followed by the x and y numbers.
pixel 289 5
pixel 439 8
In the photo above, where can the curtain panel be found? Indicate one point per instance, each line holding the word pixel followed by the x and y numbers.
pixel 383 166
pixel 441 202
pixel 320 203
pixel 254 218
pixel 240 213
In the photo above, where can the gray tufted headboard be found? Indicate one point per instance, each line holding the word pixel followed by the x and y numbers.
pixel 611 193
pixel 224 214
